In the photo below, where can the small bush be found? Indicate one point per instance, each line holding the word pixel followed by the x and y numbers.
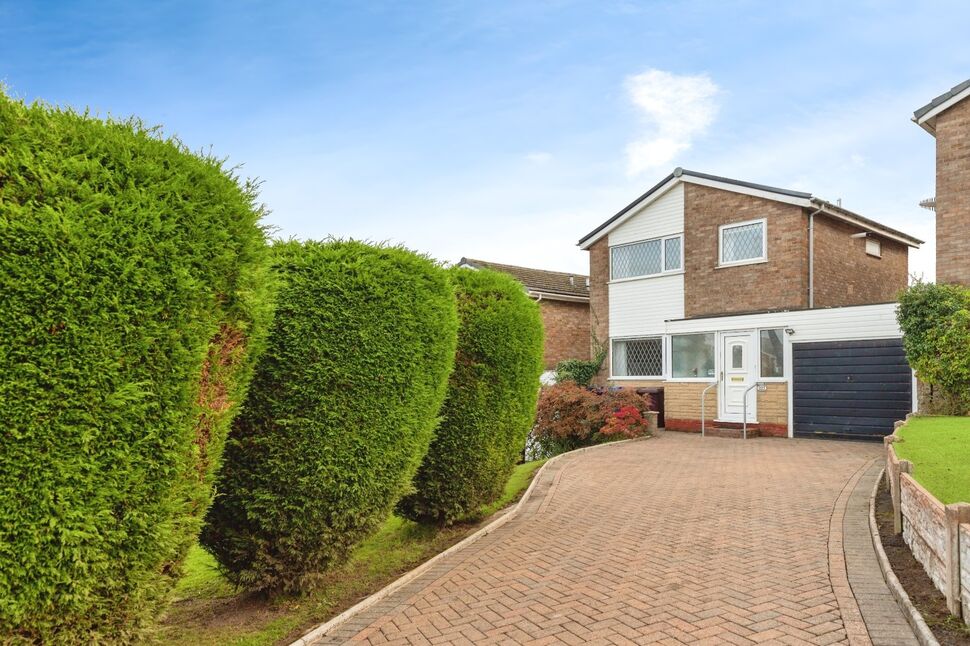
pixel 935 320
pixel 341 411
pixel 577 371
pixel 570 417
pixel 491 399
pixel 132 275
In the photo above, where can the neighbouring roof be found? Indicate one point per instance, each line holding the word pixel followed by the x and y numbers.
pixel 798 198
pixel 539 281
pixel 925 117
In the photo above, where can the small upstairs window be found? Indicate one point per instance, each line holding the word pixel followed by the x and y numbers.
pixel 744 242
pixel 874 247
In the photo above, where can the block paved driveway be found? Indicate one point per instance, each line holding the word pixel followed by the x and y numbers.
pixel 673 540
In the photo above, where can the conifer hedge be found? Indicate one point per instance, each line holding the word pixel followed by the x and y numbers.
pixel 341 411
pixel 491 400
pixel 131 275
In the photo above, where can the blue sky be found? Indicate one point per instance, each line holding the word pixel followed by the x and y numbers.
pixel 507 130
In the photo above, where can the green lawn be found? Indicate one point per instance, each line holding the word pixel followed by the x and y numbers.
pixel 207 610
pixel 939 448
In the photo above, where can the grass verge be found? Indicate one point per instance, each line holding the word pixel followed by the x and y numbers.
pixel 939 448
pixel 208 610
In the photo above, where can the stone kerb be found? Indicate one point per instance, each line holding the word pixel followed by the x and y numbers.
pixel 938 535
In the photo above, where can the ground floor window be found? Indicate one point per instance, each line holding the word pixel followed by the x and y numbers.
pixel 638 357
pixel 692 356
pixel 772 353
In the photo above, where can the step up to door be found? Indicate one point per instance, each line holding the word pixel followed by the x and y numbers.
pixel 730 429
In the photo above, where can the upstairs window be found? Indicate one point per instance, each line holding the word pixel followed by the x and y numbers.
pixel 744 242
pixel 647 258
pixel 874 247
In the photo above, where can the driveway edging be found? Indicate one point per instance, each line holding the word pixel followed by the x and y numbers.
pixel 308 638
pixel 913 616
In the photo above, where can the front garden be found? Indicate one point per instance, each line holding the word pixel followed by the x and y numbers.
pixel 939 448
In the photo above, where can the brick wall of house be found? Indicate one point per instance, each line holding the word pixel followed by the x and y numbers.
pixel 953 194
pixel 773 410
pixel 567 331
pixel 846 275
pixel 599 305
pixel 682 405
pixel 779 283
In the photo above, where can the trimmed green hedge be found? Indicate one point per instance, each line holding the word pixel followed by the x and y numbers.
pixel 491 399
pixel 578 371
pixel 131 275
pixel 342 409
pixel 935 320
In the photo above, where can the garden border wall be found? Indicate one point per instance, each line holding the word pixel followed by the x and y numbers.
pixel 938 535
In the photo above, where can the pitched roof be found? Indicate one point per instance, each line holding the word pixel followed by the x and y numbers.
pixel 799 198
pixel 548 283
pixel 925 117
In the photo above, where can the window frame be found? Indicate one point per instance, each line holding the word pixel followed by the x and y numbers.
pixel 747 261
pixel 647 337
pixel 877 243
pixel 663 258
pixel 670 362
pixel 785 355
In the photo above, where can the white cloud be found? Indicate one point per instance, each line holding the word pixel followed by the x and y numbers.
pixel 675 109
pixel 539 157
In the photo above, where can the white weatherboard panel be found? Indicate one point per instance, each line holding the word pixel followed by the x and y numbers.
pixel 662 217
pixel 641 307
pixel 832 324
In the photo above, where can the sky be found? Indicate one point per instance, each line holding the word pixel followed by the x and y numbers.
pixel 505 131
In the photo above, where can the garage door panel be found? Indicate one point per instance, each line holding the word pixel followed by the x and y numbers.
pixel 839 400
pixel 849 389
pixel 848 366
pixel 854 377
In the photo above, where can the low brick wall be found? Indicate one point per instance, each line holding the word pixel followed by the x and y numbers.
pixel 924 528
pixel 938 535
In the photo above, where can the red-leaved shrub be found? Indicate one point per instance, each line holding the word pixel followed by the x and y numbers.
pixel 569 417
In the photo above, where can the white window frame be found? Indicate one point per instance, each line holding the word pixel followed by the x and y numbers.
pixel 785 355
pixel 663 258
pixel 877 244
pixel 670 356
pixel 747 261
pixel 664 353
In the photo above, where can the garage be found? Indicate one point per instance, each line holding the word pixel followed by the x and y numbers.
pixel 850 389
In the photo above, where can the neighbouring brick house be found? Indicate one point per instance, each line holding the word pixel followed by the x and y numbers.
pixel 947 118
pixel 564 303
pixel 776 303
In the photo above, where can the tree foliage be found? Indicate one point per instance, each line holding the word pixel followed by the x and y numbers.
pixel 342 409
pixel 935 320
pixel 491 399
pixel 132 281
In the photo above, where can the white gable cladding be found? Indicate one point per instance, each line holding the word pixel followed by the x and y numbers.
pixel 830 324
pixel 662 217
pixel 641 306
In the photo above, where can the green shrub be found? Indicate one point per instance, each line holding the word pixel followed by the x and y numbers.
pixel 578 371
pixel 935 320
pixel 491 399
pixel 131 275
pixel 341 411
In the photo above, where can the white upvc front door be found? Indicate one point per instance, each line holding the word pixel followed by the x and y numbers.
pixel 737 364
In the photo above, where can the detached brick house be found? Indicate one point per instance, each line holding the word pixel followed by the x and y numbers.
pixel 564 303
pixel 947 118
pixel 768 302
